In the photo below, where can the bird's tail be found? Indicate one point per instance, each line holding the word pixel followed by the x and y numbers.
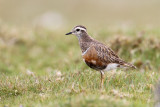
pixel 129 65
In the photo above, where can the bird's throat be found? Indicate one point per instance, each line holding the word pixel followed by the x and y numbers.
pixel 84 42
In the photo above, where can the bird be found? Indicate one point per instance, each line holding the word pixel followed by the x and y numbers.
pixel 97 55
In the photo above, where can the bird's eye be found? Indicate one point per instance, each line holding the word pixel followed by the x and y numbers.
pixel 77 30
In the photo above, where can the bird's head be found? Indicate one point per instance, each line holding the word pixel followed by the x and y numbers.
pixel 78 30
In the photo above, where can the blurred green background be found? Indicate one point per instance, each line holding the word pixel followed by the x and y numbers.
pixel 87 12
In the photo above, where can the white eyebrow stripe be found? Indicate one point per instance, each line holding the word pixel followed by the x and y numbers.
pixel 80 28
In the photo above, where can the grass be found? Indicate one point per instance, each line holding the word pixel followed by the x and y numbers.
pixel 45 68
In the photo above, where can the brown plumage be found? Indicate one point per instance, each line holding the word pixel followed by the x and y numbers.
pixel 97 55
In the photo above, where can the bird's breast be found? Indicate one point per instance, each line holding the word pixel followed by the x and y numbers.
pixel 91 58
pixel 94 65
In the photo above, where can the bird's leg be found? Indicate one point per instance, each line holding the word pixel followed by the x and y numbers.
pixel 102 79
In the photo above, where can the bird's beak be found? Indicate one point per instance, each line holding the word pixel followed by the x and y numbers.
pixel 69 33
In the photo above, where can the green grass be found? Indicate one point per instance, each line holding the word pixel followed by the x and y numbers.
pixel 44 68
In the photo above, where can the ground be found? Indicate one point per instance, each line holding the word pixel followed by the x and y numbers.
pixel 39 67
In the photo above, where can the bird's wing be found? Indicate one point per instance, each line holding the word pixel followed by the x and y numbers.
pixel 103 55
pixel 107 55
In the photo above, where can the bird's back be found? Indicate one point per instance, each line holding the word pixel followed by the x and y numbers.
pixel 99 56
